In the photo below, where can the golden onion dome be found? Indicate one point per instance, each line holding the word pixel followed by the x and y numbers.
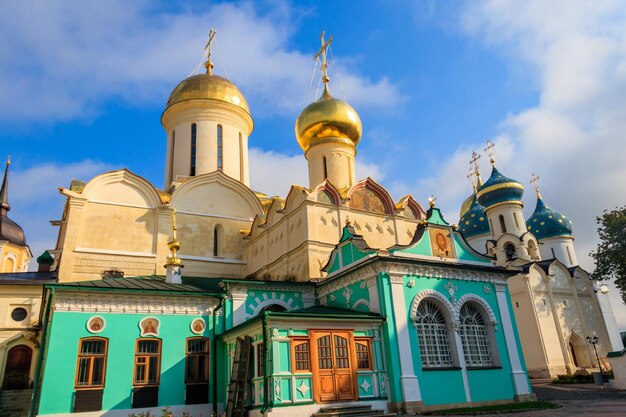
pixel 210 87
pixel 466 205
pixel 328 119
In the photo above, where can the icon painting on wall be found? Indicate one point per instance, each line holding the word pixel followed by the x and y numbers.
pixel 149 326
pixel 95 324
pixel 198 326
pixel 441 243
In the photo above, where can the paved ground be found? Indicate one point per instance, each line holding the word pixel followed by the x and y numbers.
pixel 584 400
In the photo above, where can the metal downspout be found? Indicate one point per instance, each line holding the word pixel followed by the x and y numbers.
pixel 265 378
pixel 42 346
pixel 214 350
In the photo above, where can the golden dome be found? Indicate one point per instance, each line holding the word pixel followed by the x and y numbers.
pixel 466 205
pixel 206 86
pixel 328 119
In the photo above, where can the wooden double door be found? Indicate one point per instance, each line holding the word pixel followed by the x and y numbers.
pixel 334 366
pixel 17 371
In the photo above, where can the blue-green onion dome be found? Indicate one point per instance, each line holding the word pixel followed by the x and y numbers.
pixel 474 222
pixel 499 189
pixel 546 222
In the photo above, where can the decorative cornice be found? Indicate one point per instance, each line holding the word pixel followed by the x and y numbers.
pixel 134 304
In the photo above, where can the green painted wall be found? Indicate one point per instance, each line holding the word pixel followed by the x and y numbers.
pixel 68 328
pixel 355 296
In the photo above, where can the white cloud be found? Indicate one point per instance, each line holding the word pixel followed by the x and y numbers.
pixel 574 138
pixel 274 173
pixel 34 199
pixel 63 60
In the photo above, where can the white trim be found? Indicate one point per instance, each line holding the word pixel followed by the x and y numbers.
pixel 115 252
pixel 477 299
pixel 115 203
pixel 212 259
pixel 219 216
pixel 518 375
pixel 441 259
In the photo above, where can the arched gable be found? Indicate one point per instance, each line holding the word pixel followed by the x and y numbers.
pixel 447 310
pixel 122 187
pixel 216 194
pixel 266 303
pixel 330 190
pixel 275 212
pixel 296 196
pixel 370 196
pixel 408 203
pixel 491 317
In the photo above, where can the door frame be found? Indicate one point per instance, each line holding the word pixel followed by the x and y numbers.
pixel 313 334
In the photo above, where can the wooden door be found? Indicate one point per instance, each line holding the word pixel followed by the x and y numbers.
pixel 333 366
pixel 18 367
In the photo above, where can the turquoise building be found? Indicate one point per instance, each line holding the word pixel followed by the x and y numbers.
pixel 385 329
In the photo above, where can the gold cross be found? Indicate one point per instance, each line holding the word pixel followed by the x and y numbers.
pixel 474 160
pixel 471 177
pixel 322 53
pixel 209 64
pixel 489 150
pixel 431 200
pixel 535 181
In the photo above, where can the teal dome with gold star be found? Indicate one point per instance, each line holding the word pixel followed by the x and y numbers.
pixel 499 189
pixel 546 222
pixel 474 222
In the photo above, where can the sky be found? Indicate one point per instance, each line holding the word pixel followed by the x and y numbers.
pixel 83 85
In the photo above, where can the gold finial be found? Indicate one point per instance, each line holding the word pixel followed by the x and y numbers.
pixel 348 221
pixel 474 160
pixel 173 244
pixel 209 64
pixel 431 201
pixel 535 181
pixel 322 53
pixel 8 159
pixel 489 150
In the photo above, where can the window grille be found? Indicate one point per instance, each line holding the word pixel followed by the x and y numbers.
pixel 301 352
pixel 91 366
pixel 432 333
pixel 474 337
pixel 147 362
pixel 197 361
pixel 362 347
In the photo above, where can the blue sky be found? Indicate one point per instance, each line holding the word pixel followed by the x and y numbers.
pixel 84 84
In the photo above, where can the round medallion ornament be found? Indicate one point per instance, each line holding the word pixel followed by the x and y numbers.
pixel 197 326
pixel 96 324
pixel 149 326
pixel 19 314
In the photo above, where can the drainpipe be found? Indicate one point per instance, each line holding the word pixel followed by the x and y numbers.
pixel 42 346
pixel 265 377
pixel 214 350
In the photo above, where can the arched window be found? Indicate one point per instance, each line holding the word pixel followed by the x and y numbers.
pixel 325 169
pixel 515 219
pixel 91 363
pixel 473 333
pixel 192 169
pixel 491 227
pixel 220 147
pixel 217 240
pixel 197 361
pixel 509 251
pixel 171 162
pixel 273 307
pixel 147 362
pixel 432 334
pixel 502 223
pixel 240 157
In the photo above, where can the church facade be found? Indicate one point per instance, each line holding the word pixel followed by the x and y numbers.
pixel 208 297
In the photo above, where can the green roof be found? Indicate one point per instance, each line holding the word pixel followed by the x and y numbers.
pixel 147 283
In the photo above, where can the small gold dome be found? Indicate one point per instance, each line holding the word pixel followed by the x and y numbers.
pixel 328 119
pixel 206 86
pixel 466 205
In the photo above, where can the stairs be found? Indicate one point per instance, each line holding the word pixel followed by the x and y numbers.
pixel 15 403
pixel 352 411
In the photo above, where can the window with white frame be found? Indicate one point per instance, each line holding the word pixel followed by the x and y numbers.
pixel 473 333
pixel 432 333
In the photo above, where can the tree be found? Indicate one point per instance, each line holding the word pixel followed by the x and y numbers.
pixel 610 255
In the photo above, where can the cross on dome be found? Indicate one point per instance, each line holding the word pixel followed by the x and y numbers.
pixel 535 181
pixel 490 152
pixel 431 201
pixel 322 53
pixel 474 160
pixel 209 64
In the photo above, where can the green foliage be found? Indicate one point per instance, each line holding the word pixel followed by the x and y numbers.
pixel 165 412
pixel 573 379
pixel 610 256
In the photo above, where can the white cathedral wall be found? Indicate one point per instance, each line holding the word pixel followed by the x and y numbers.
pixel 561 248
pixel 510 212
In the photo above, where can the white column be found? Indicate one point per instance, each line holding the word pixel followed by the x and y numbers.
pixel 372 287
pixel 518 375
pixel 410 385
pixel 461 357
pixel 239 307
